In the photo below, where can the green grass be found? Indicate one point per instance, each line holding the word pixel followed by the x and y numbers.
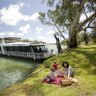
pixel 82 59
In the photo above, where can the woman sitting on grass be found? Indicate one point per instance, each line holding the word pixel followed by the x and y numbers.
pixel 57 69
pixel 68 74
pixel 68 71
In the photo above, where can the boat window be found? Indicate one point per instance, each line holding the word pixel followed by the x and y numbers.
pixel 5 48
pixel 18 48
pixel 25 49
pixel 40 49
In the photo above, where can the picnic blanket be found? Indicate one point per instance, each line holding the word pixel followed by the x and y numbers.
pixel 60 81
pixel 57 81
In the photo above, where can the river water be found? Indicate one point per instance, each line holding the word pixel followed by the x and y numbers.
pixel 14 69
pixel 53 46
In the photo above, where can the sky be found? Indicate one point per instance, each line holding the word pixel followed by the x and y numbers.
pixel 20 18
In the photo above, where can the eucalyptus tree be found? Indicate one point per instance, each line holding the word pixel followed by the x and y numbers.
pixel 65 15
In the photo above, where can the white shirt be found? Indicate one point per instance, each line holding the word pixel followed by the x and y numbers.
pixel 69 71
pixel 59 72
pixel 52 75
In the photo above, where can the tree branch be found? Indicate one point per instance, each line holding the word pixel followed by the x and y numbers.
pixel 91 27
pixel 60 33
pixel 92 17
pixel 57 29
pixel 85 14
pixel 76 19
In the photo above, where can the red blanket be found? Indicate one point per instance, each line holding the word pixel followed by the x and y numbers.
pixel 56 81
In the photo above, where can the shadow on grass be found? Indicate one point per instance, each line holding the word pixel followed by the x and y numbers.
pixel 33 90
pixel 37 88
pixel 90 63
pixel 83 60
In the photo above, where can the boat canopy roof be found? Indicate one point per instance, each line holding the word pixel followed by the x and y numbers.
pixel 21 44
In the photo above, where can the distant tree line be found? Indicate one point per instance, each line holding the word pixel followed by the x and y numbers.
pixel 32 41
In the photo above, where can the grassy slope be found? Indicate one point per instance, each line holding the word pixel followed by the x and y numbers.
pixel 82 59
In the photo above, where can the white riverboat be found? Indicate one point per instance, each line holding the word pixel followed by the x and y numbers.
pixel 25 49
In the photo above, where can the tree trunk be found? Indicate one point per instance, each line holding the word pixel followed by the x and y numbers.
pixel 72 40
pixel 58 43
pixel 74 24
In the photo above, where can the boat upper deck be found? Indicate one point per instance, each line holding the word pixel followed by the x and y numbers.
pixel 21 44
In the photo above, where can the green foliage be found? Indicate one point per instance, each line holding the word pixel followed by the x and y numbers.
pixel 63 42
pixel 84 37
pixel 94 37
pixel 93 34
pixel 64 15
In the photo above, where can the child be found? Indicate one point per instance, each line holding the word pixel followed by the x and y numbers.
pixel 68 71
pixel 51 77
pixel 55 65
pixel 59 72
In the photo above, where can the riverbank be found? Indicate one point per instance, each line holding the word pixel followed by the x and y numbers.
pixel 82 59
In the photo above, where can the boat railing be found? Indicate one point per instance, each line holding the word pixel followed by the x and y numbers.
pixel 28 54
pixel 21 54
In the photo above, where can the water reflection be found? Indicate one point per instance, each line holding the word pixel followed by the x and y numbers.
pixel 14 69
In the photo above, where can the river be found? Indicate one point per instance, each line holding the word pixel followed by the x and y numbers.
pixel 14 69
pixel 53 46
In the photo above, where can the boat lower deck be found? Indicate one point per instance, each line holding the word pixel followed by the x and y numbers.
pixel 34 56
